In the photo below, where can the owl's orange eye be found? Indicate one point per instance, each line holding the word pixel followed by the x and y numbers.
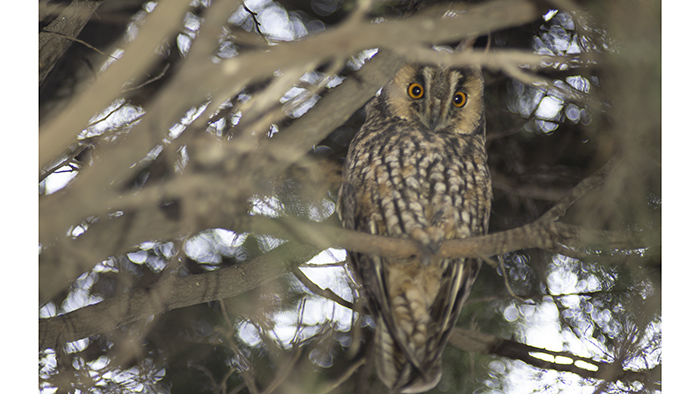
pixel 459 99
pixel 415 90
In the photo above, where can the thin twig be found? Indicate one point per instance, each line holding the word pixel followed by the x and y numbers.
pixel 593 181
pixel 314 265
pixel 237 389
pixel 75 151
pixel 150 80
pixel 500 264
pixel 254 15
pixel 325 293
pixel 78 41
pixel 282 375
pixel 246 370
pixel 110 113
pixel 206 373
pixel 345 376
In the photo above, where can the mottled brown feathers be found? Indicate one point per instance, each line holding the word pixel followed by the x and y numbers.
pixel 417 169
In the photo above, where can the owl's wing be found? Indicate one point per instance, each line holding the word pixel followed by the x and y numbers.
pixel 346 207
pixel 459 278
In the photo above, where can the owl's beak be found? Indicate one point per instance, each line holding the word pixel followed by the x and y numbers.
pixel 436 115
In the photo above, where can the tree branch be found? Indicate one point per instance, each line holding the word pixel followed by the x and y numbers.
pixel 591 182
pixel 545 235
pixel 172 293
pixel 479 342
pixel 60 34
pixel 316 289
pixel 62 132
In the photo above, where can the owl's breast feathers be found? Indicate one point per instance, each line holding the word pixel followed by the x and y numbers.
pixel 401 181
pixel 407 182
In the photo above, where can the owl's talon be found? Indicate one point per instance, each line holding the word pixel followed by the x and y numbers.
pixel 429 251
pixel 434 246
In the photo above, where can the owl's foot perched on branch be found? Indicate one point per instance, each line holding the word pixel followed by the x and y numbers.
pixel 430 240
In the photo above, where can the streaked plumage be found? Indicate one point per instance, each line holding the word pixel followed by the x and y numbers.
pixel 417 169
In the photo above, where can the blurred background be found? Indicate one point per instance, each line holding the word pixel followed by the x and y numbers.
pixel 169 129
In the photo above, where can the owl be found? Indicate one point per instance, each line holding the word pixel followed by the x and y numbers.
pixel 417 169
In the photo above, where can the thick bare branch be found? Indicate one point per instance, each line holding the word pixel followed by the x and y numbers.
pixel 60 34
pixel 172 293
pixel 544 235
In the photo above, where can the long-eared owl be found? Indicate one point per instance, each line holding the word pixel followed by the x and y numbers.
pixel 417 169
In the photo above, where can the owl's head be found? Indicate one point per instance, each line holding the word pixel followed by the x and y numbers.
pixel 440 98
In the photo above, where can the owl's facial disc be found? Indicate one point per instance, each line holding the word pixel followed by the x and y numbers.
pixel 439 99
pixel 436 107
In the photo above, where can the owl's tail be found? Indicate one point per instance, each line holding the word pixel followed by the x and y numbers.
pixel 400 368
pixel 417 314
